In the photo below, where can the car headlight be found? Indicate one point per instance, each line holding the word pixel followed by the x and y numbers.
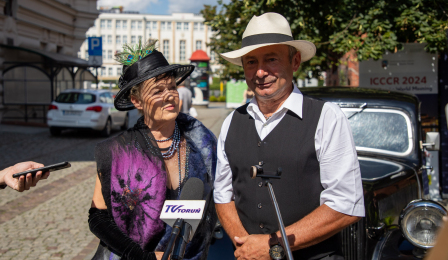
pixel 420 220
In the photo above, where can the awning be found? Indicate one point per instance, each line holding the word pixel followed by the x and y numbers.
pixel 58 58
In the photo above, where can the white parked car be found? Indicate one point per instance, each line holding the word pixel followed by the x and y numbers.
pixel 85 109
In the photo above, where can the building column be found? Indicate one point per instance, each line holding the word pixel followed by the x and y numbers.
pixel 192 38
pixel 173 27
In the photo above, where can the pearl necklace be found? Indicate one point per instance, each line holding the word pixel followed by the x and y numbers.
pixel 174 145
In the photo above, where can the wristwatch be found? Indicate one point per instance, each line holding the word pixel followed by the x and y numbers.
pixel 277 252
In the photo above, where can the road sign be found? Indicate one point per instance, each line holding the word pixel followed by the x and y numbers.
pixel 95 61
pixel 95 46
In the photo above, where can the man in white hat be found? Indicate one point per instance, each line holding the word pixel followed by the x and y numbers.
pixel 320 190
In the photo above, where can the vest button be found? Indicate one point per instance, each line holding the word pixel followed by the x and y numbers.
pixel 261 225
pixel 260 184
pixel 259 205
pixel 259 143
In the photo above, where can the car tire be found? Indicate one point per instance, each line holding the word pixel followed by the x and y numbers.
pixel 125 125
pixel 107 129
pixel 55 131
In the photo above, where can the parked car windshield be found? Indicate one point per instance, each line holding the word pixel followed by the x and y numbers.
pixel 76 98
pixel 381 130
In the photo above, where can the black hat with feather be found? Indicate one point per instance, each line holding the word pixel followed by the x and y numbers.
pixel 140 63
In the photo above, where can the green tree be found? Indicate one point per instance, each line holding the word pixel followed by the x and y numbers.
pixel 369 27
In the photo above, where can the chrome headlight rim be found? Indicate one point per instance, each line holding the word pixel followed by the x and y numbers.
pixel 419 204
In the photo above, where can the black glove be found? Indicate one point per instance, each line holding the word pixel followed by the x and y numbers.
pixel 105 228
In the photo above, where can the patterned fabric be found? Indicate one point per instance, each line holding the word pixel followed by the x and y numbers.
pixel 133 178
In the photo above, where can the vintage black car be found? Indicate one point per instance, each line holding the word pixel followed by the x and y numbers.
pixel 386 128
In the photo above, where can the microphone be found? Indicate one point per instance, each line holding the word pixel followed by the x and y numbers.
pixel 184 216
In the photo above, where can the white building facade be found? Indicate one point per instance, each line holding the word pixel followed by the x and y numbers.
pixel 178 35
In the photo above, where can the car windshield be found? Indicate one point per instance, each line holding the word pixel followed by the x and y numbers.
pixel 381 130
pixel 76 98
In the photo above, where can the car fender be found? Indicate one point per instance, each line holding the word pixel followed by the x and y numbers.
pixel 388 247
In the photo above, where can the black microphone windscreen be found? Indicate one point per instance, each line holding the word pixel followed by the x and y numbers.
pixel 193 189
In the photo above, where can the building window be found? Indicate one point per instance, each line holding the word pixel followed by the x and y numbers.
pixel 133 39
pixel 104 54
pixel 118 24
pixel 111 72
pixel 198 45
pixel 103 38
pixel 182 50
pixel 118 39
pixel 212 55
pixel 139 38
pixel 103 24
pixel 185 26
pixel 168 25
pixel 202 26
pixel 125 24
pixel 109 54
pixel 125 39
pixel 196 26
pixel 118 71
pixel 139 25
pixel 148 25
pixel 109 24
pixel 109 39
pixel 149 35
pixel 166 49
pixel 133 25
pixel 178 26
pixel 154 25
pixel 103 71
pixel 87 55
pixel 163 25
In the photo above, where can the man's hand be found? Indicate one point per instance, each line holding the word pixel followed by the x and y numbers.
pixel 252 247
pixel 23 183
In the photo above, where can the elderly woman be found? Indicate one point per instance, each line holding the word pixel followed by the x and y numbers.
pixel 147 164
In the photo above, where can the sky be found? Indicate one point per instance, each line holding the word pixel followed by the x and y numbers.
pixel 160 6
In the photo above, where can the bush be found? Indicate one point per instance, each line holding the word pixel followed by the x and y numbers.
pixel 222 99
pixel 213 99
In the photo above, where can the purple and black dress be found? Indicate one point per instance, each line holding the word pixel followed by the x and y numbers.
pixel 133 178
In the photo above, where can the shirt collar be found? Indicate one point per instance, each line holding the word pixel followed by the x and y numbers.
pixel 293 103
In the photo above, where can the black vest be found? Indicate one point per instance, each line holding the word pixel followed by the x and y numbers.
pixel 290 145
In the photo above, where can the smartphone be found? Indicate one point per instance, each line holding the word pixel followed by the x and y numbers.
pixel 51 168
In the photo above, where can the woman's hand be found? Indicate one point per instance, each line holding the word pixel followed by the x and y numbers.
pixel 23 183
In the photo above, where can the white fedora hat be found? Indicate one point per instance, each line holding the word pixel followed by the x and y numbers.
pixel 268 29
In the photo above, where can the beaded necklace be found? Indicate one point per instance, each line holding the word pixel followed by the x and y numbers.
pixel 174 145
pixel 170 152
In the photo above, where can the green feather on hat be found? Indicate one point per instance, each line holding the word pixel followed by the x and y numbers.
pixel 133 53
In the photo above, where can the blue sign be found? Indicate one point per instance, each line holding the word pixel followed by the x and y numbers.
pixel 95 46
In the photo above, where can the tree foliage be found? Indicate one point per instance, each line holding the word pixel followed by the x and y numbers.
pixel 369 27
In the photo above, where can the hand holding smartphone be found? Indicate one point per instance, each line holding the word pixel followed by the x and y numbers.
pixel 50 168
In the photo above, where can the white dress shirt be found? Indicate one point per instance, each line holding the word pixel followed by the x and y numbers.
pixel 335 149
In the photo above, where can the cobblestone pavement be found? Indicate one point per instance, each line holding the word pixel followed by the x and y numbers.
pixel 50 220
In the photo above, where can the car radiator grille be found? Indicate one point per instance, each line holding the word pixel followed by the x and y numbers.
pixel 353 237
